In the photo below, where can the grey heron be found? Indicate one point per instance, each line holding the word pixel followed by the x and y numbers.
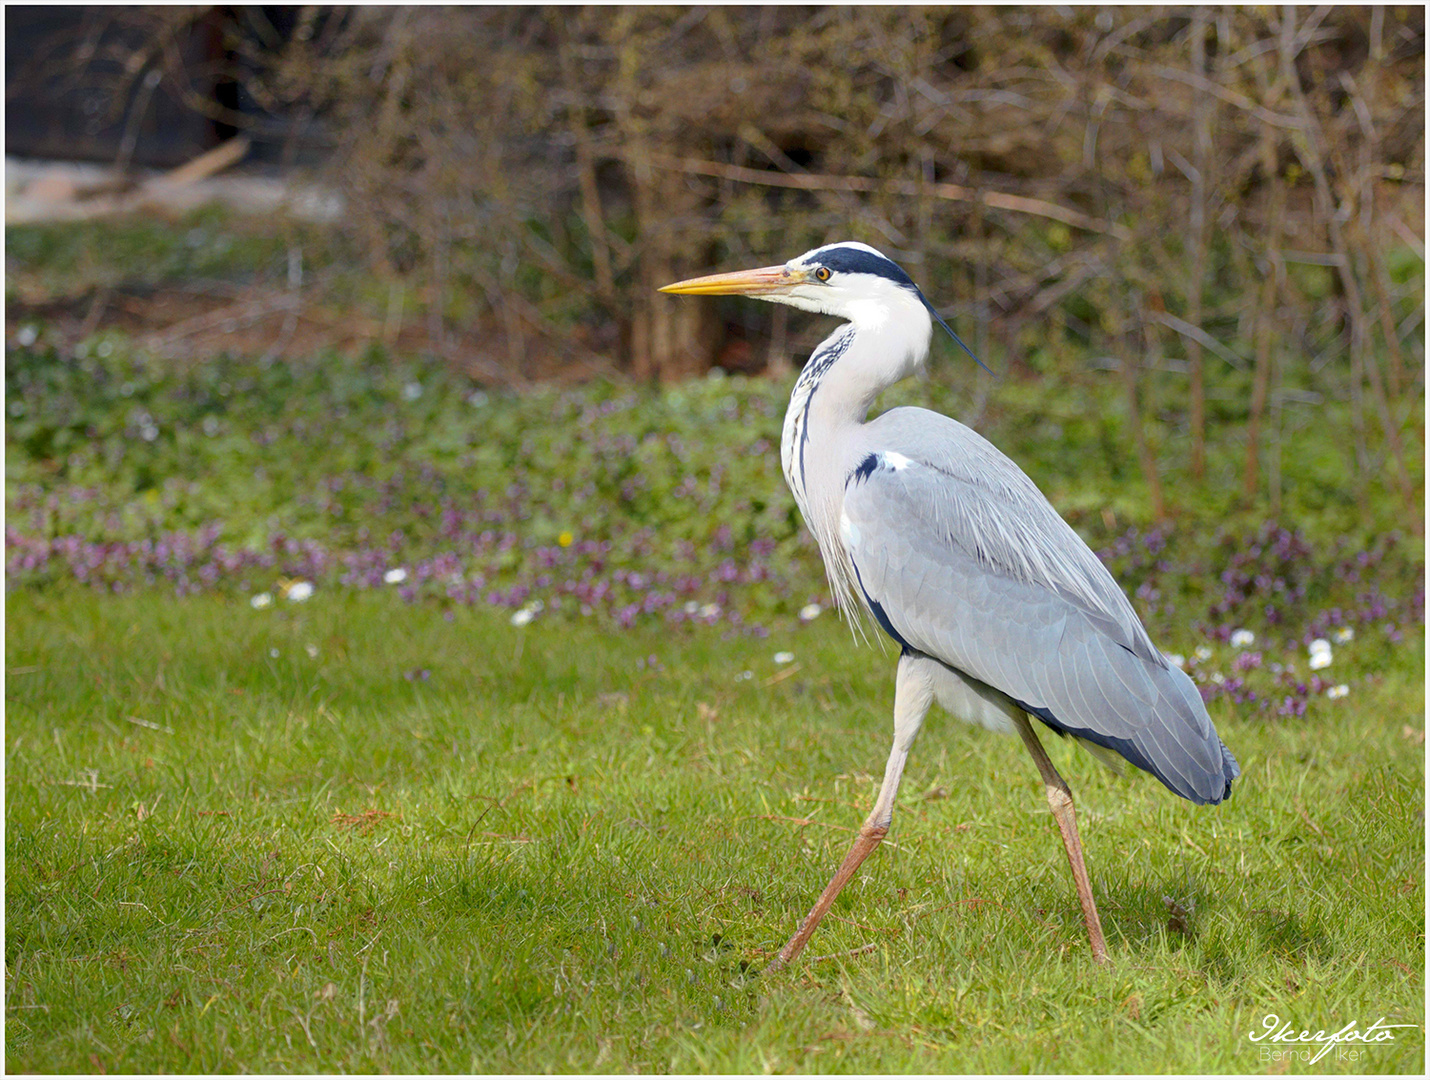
pixel 1001 612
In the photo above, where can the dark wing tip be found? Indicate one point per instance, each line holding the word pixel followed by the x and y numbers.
pixel 1178 773
pixel 1231 769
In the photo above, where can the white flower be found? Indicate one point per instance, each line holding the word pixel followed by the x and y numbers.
pixel 312 651
pixel 1242 639
pixel 809 612
pixel 273 653
pixel 412 391
pixel 744 676
pixel 522 616
pixel 710 611
pixel 691 607
pixel 1338 691
pixel 1203 653
pixel 1218 678
pixel 784 657
pixel 395 576
pixel 262 600
pixel 1343 635
pixel 299 591
pixel 28 335
pixel 1176 658
pixel 1320 651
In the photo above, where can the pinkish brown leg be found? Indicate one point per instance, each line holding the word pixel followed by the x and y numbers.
pixel 867 841
pixel 1060 801
pixel 913 693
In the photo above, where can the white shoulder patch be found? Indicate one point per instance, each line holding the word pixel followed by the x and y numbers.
pixel 896 461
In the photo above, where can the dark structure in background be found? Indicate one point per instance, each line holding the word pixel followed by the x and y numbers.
pixel 59 107
pixel 115 85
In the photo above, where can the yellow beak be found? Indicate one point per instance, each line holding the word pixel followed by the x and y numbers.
pixel 766 281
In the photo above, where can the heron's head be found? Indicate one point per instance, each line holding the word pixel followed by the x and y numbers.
pixel 850 280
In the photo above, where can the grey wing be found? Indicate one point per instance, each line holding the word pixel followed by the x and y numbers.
pixel 991 581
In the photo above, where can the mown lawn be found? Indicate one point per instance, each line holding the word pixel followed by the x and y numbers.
pixel 354 834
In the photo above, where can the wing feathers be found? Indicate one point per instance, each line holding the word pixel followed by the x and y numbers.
pixel 996 585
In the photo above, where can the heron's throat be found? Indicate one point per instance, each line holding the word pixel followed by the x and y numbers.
pixel 814 478
pixel 818 449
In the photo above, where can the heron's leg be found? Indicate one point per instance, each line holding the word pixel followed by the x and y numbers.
pixel 1060 800
pixel 913 693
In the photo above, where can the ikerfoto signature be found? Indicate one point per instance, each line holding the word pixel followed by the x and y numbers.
pixel 1283 1033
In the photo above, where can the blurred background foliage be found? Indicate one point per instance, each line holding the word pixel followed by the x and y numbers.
pixel 1221 205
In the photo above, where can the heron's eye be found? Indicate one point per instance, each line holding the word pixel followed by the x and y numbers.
pixel 822 273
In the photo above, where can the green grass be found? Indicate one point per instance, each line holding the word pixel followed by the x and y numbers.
pixel 358 834
pixel 247 840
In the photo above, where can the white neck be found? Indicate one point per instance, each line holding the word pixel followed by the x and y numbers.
pixel 886 340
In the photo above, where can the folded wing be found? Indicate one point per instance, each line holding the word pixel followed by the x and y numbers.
pixel 961 557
